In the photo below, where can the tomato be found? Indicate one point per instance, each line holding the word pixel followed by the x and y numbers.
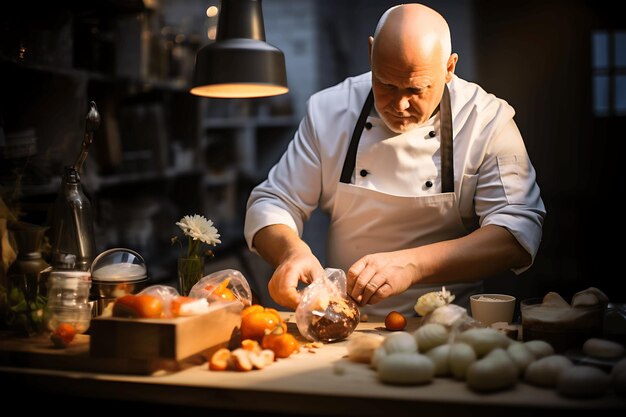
pixel 63 335
pixel 256 319
pixel 282 343
pixel 395 321
pixel 138 306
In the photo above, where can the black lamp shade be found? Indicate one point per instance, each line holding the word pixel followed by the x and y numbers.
pixel 240 63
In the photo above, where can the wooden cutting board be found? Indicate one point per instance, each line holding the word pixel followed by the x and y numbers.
pixel 39 352
pixel 128 346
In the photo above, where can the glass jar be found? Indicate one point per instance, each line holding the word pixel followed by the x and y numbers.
pixel 26 282
pixel 68 296
pixel 116 272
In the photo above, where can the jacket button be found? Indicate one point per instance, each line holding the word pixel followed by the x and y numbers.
pixel 368 125
pixel 363 173
pixel 432 134
pixel 429 183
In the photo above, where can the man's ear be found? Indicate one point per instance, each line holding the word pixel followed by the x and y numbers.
pixel 370 45
pixel 450 66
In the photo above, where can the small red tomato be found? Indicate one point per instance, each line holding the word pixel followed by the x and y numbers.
pixel 395 321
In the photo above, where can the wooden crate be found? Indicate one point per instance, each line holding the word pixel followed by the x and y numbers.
pixel 164 339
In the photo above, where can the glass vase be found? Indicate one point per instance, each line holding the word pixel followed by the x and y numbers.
pixel 190 271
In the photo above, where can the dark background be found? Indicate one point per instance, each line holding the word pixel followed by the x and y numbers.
pixel 537 55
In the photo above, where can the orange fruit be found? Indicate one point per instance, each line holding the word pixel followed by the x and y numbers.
pixel 282 343
pixel 220 359
pixel 138 306
pixel 222 291
pixel 255 320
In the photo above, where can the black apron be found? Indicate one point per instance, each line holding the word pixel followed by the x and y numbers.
pixel 445 132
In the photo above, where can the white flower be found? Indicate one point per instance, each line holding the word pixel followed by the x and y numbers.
pixel 432 300
pixel 199 228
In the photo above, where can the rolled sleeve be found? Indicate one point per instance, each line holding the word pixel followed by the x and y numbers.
pixel 507 193
pixel 292 189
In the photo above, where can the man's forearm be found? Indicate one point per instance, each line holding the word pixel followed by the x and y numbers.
pixel 277 241
pixel 483 253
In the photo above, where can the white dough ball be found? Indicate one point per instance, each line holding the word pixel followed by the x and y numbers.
pixel 462 356
pixel 406 369
pixel 540 348
pixel 545 372
pixel 583 382
pixel 602 348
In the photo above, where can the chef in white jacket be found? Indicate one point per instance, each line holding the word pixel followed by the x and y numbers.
pixel 425 178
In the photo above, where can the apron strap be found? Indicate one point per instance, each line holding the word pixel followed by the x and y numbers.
pixel 445 128
pixel 350 161
pixel 447 156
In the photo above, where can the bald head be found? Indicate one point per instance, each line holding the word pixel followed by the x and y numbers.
pixel 412 33
pixel 411 60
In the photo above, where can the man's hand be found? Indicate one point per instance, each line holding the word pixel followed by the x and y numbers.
pixel 300 266
pixel 375 277
pixel 484 252
pixel 292 259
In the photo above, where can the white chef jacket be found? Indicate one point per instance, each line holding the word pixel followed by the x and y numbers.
pixel 494 178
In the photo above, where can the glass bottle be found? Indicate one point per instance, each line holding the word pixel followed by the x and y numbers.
pixel 72 225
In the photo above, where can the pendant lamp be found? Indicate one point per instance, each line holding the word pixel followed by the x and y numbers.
pixel 239 64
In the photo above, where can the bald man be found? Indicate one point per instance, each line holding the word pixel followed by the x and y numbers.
pixel 425 178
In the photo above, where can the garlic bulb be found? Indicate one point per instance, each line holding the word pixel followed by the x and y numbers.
pixel 400 342
pixel 618 377
pixel 602 348
pixel 406 369
pixel 430 335
pixel 494 372
pixel 361 347
pixel 462 356
pixel 483 340
pixel 440 356
pixel 430 301
pixel 539 348
pixel 583 382
pixel 377 356
pixel 520 355
pixel 546 371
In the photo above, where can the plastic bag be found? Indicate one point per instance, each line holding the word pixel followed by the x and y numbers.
pixel 165 293
pixel 453 317
pixel 224 285
pixel 326 313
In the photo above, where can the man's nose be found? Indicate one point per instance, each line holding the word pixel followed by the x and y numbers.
pixel 400 103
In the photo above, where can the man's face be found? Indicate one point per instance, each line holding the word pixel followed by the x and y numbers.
pixel 406 97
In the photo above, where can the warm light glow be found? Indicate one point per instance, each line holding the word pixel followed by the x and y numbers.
pixel 212 32
pixel 211 11
pixel 240 90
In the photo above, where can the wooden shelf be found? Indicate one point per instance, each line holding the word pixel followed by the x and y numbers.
pixel 134 177
pixel 42 189
pixel 88 75
pixel 243 122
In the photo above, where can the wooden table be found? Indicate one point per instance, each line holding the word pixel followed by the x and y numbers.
pixel 317 382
